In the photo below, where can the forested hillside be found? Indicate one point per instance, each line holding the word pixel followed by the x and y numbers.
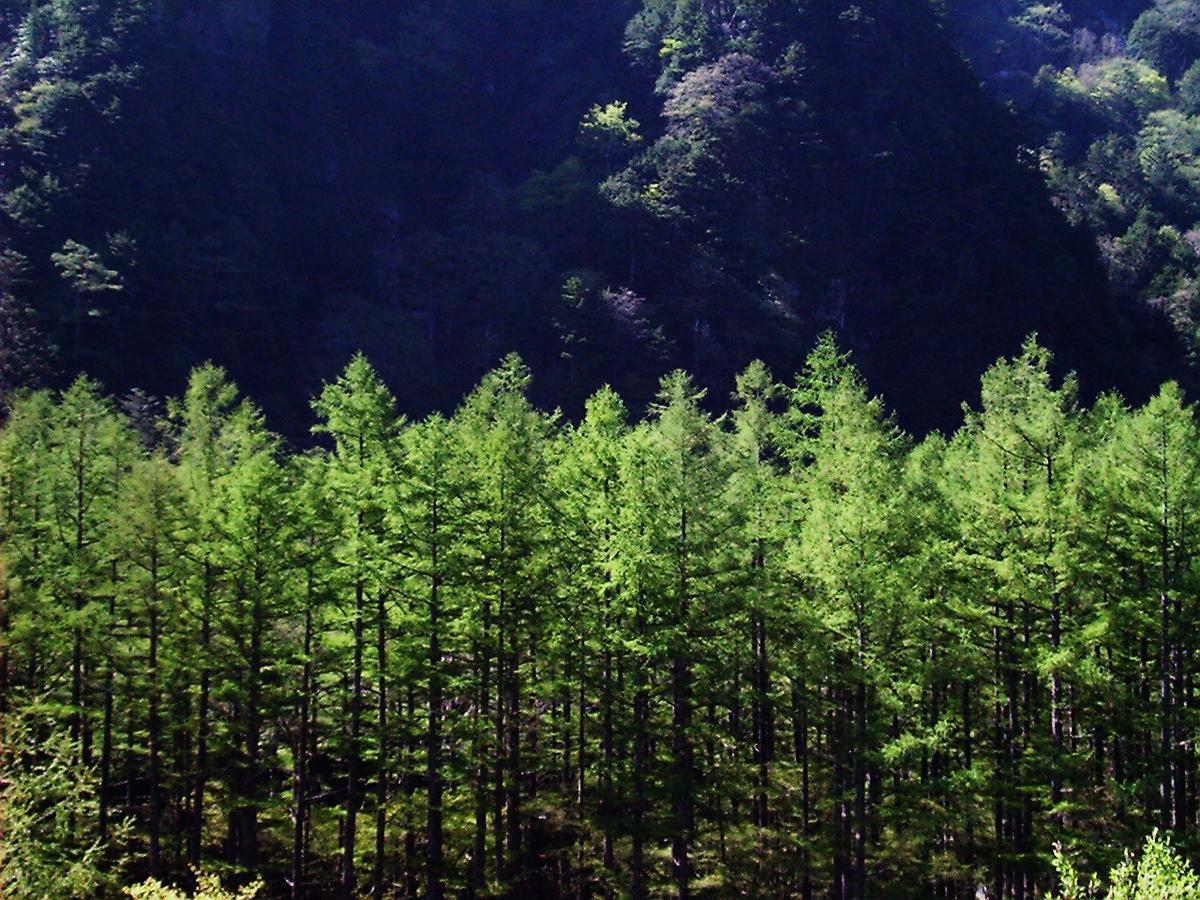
pixel 612 188
pixel 789 652
pixel 1110 91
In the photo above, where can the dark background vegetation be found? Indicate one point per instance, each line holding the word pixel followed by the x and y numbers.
pixel 273 185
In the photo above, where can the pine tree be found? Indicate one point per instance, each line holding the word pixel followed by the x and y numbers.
pixel 149 531
pixel 315 537
pixel 1016 524
pixel 1155 487
pixel 681 529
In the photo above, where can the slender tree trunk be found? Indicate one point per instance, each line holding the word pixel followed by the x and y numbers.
pixel 681 747
pixel 300 761
pixel 968 851
pixel 77 629
pixel 641 756
pixel 410 790
pixel 349 883
pixel 434 855
pixel 1178 740
pixel 381 776
pixel 860 771
pixel 1164 682
pixel 1056 704
pixel 500 757
pixel 681 724
pixel 480 719
pixel 581 780
pixel 764 738
pixel 512 804
pixel 202 725
pixel 106 735
pixel 606 749
pixel 251 787
pixel 800 742
pixel 155 725
pixel 840 748
pixel 131 698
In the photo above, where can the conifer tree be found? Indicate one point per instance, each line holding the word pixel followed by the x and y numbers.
pixel 359 415
pixel 79 488
pixel 683 465
pixel 427 515
pixel 850 549
pixel 505 440
pixel 1156 488
pixel 149 531
pixel 315 536
pixel 255 527
pixel 1017 528
pixel 205 446
pixel 586 481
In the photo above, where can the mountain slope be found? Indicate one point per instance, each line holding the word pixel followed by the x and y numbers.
pixel 275 185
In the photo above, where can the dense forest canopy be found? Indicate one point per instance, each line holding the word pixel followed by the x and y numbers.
pixel 787 652
pixel 612 188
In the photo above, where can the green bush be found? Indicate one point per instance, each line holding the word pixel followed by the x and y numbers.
pixel 1160 874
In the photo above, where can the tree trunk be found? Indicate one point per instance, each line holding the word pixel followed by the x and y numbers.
pixel 860 775
pixel 202 726
pixel 155 726
pixel 381 774
pixel 410 789
pixel 681 747
pixel 800 742
pixel 606 750
pixel 512 800
pixel 300 761
pixel 641 755
pixel 349 884
pixel 1164 696
pixel 434 854
pixel 77 629
pixel 480 719
pixel 106 733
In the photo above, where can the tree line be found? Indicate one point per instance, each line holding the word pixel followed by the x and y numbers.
pixel 783 651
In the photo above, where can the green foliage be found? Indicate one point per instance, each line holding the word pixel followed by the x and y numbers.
pixel 49 844
pixel 1168 36
pixel 1157 873
pixel 790 641
pixel 208 887
pixel 610 133
pixel 1115 114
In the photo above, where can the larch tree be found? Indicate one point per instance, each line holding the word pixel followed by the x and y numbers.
pixel 849 549
pixel 358 414
pixel 505 441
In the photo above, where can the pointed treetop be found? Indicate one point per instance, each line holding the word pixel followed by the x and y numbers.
pixel 358 405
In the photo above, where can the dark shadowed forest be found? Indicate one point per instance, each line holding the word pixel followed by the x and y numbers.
pixel 611 188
